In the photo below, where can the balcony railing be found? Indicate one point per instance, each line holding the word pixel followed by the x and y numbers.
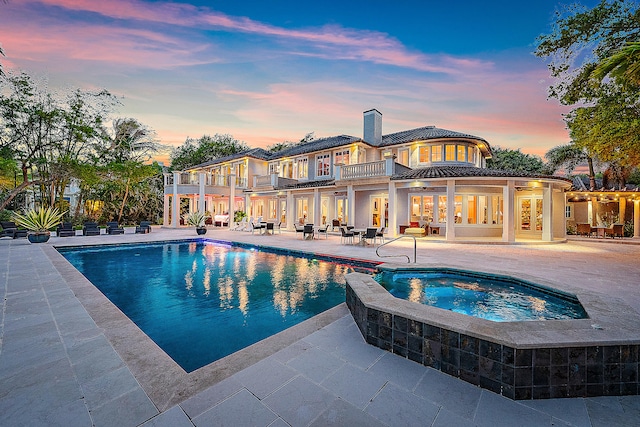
pixel 215 180
pixel 363 170
pixel 272 181
pixel 386 167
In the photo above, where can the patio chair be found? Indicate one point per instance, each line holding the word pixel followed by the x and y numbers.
pixel 299 228
pixel 65 230
pixel 335 223
pixel 90 229
pixel 616 230
pixel 584 230
pixel 257 226
pixel 144 227
pixel 269 228
pixel 370 234
pixel 278 227
pixel 113 228
pixel 380 234
pixel 346 235
pixel 323 230
pixel 308 231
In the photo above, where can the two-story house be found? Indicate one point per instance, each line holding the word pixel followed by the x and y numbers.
pixel 424 175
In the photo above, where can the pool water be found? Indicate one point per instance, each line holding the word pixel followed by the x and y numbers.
pixel 496 298
pixel 201 301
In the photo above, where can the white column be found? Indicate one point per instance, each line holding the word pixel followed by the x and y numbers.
pixel 508 213
pixel 317 209
pixel 451 221
pixel 165 210
pixel 547 213
pixel 175 211
pixel 201 192
pixel 351 201
pixel 232 199
pixel 290 210
pixel 636 219
pixel 393 222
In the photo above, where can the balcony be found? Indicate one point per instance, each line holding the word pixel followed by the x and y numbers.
pixel 380 168
pixel 190 183
pixel 272 181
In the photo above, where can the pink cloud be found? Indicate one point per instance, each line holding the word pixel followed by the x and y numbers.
pixel 330 41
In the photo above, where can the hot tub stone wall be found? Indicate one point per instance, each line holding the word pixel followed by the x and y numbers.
pixel 539 373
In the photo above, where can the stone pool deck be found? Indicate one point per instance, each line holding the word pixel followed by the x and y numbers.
pixel 68 357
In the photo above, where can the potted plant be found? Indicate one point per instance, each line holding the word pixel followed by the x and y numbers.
pixel 197 220
pixel 38 222
pixel 78 230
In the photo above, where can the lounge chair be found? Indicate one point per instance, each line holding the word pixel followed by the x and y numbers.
pixel 10 229
pixel 241 225
pixel 65 230
pixel 144 227
pixel 346 235
pixel 113 228
pixel 308 231
pixel 90 229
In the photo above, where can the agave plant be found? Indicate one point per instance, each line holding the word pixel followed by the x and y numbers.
pixel 196 219
pixel 39 221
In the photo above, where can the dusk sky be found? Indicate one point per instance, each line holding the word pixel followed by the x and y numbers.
pixel 270 71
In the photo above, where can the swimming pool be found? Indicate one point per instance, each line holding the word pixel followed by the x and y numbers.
pixel 201 301
pixel 491 297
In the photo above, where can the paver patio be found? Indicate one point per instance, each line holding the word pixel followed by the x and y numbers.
pixel 69 358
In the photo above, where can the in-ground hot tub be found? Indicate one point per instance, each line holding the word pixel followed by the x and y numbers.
pixel 488 296
pixel 533 359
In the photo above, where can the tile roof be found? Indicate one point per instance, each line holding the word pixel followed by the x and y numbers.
pixel 467 171
pixel 424 133
pixel 581 183
pixel 258 153
pixel 316 145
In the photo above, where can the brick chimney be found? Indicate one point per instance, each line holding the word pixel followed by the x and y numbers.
pixel 373 127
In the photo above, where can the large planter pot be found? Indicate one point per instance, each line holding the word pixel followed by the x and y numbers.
pixel 201 231
pixel 38 237
pixel 129 230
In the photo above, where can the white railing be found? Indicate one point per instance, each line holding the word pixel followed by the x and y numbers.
pixel 263 181
pixel 363 170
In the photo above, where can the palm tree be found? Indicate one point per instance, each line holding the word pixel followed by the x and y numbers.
pixel 623 65
pixel 569 156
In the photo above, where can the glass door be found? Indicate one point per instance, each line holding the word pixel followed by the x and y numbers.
pixel 379 211
pixel 342 209
pixel 529 214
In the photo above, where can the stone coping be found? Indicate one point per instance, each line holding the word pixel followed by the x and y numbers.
pixel 603 327
pixel 164 381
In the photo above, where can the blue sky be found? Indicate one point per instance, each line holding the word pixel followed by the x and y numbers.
pixel 269 71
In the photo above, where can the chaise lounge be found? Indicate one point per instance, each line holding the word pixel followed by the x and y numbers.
pixel 10 229
pixel 65 230
pixel 113 228
pixel 90 229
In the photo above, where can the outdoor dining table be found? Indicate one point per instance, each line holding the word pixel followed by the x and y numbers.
pixel 360 232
